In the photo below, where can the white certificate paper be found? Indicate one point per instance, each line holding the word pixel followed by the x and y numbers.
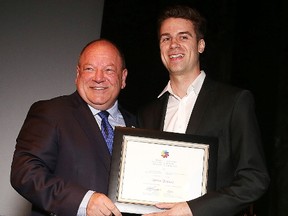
pixel 153 171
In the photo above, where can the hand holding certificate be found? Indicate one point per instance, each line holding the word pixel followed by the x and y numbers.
pixel 150 167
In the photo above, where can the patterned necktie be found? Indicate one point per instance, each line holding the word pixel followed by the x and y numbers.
pixel 106 129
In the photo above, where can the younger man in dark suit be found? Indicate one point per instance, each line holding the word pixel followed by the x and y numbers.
pixel 61 163
pixel 191 103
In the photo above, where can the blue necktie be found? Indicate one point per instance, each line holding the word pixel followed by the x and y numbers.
pixel 107 130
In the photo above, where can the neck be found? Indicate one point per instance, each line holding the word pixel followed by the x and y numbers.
pixel 180 83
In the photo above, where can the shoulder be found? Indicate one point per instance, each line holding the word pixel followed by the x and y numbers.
pixel 225 95
pixel 56 104
pixel 224 90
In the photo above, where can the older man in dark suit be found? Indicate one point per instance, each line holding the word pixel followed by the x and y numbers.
pixel 61 163
pixel 191 103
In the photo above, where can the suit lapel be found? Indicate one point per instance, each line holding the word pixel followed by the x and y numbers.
pixel 156 116
pixel 83 115
pixel 202 103
pixel 160 117
pixel 130 120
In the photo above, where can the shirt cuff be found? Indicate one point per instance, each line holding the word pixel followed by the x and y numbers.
pixel 84 203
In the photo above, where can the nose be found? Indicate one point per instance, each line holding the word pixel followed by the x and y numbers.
pixel 174 43
pixel 98 76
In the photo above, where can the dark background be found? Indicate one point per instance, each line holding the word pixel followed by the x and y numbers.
pixel 246 45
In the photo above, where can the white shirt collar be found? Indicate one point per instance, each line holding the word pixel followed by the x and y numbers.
pixel 194 86
pixel 113 111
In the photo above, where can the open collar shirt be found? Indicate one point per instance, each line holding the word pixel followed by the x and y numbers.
pixel 179 109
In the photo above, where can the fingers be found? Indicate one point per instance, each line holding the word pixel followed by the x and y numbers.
pixel 172 209
pixel 113 209
pixel 152 214
pixel 100 205
pixel 165 205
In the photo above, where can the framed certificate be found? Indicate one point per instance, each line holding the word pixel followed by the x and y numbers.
pixel 151 166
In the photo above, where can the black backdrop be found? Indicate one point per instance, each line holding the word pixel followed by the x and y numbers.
pixel 245 46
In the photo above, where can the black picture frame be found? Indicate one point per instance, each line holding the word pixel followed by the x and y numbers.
pixel 125 136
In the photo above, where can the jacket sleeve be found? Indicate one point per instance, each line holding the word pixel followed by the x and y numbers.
pixel 34 162
pixel 249 177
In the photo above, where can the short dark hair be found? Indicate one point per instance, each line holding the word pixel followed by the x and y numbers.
pixel 184 12
pixel 121 54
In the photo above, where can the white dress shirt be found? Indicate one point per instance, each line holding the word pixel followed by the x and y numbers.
pixel 179 109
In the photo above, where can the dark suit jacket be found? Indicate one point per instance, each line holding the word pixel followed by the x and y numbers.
pixel 226 113
pixel 61 154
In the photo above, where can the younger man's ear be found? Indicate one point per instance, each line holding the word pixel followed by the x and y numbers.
pixel 201 46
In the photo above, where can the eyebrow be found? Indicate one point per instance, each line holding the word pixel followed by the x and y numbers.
pixel 186 32
pixel 179 33
pixel 165 34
